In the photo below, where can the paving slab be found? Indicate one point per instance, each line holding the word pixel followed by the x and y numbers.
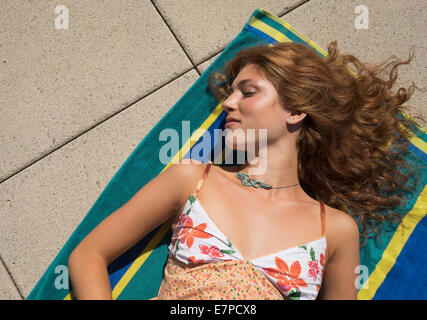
pixel 58 83
pixel 205 65
pixel 205 27
pixel 393 27
pixel 8 290
pixel 42 205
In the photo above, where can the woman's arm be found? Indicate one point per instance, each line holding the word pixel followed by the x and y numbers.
pixel 339 278
pixel 152 205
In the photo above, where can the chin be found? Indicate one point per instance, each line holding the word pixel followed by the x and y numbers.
pixel 235 139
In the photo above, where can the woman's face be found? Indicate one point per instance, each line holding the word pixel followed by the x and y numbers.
pixel 254 101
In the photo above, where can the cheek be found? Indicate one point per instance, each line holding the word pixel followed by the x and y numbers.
pixel 262 115
pixel 254 109
pixel 261 104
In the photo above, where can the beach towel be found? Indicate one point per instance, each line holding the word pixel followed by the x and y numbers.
pixel 390 269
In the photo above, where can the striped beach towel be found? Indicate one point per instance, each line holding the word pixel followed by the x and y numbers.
pixel 392 268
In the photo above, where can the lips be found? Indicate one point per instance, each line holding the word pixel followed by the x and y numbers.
pixel 230 119
pixel 230 123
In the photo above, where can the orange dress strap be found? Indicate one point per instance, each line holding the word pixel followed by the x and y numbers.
pixel 202 179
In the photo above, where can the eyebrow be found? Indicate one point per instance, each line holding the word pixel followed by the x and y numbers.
pixel 241 83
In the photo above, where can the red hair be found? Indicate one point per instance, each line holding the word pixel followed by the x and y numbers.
pixel 353 116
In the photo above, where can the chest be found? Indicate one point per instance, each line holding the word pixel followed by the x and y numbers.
pixel 257 230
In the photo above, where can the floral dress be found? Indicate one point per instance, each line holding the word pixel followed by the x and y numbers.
pixel 204 264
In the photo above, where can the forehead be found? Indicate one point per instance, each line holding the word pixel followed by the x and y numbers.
pixel 248 72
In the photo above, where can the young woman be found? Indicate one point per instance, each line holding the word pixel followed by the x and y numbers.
pixel 290 232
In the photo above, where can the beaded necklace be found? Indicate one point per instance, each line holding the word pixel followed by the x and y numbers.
pixel 248 181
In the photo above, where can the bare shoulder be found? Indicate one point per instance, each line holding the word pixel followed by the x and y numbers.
pixel 340 220
pixel 341 229
pixel 188 166
pixel 190 172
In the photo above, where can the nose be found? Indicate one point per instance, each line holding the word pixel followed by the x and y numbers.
pixel 229 104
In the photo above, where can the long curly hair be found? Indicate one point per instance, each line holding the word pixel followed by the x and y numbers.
pixel 353 118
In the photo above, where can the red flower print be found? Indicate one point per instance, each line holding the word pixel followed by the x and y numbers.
pixel 183 219
pixel 212 251
pixel 189 232
pixel 193 260
pixel 322 263
pixel 287 279
pixel 314 269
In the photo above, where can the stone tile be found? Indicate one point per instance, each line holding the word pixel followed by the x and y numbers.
pixel 393 27
pixel 58 83
pixel 42 205
pixel 205 65
pixel 8 290
pixel 204 27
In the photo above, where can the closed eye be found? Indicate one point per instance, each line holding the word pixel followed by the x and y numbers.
pixel 248 93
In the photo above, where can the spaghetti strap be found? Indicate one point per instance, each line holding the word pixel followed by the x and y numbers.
pixel 322 217
pixel 202 179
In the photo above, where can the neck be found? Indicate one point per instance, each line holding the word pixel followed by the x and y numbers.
pixel 274 175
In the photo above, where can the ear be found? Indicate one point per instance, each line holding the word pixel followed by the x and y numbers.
pixel 295 117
